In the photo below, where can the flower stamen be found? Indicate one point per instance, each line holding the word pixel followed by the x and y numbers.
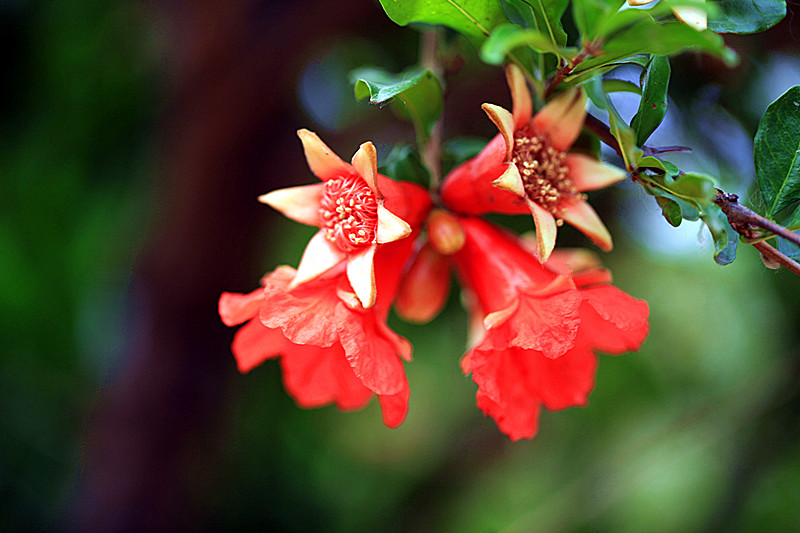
pixel 348 212
pixel 544 173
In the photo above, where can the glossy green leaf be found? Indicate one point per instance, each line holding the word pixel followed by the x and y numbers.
pixel 646 36
pixel 621 132
pixel 474 18
pixel 403 163
pixel 612 85
pixel 695 187
pixel 415 94
pixel 589 15
pixel 725 237
pixel 653 105
pixel 746 16
pixel 777 152
pixel 543 16
pixel 507 37
pixel 670 209
pixel 651 162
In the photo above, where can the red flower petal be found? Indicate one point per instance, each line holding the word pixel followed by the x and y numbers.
pixel 394 407
pixel 468 189
pixel 235 308
pixel 254 343
pixel 613 321
pixel 372 356
pixel 316 376
pixel 548 324
pixel 306 314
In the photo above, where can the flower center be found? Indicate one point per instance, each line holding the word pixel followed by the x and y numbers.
pixel 544 173
pixel 349 212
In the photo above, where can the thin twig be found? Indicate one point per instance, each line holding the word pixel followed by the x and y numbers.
pixel 431 152
pixel 598 127
pixel 566 68
pixel 771 252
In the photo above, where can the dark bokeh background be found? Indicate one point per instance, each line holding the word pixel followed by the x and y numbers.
pixel 135 138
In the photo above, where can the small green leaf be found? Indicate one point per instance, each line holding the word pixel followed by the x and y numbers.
pixel 403 163
pixel 746 16
pixel 653 105
pixel 415 94
pixel 670 209
pixel 696 187
pixel 612 85
pixel 725 237
pixel 473 18
pixel 651 162
pixel 777 152
pixel 507 37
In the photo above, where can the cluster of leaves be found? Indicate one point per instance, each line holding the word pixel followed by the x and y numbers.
pixel 558 43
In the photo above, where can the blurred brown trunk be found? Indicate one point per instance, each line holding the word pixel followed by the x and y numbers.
pixel 152 443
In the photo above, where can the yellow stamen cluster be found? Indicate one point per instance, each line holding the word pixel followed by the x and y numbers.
pixel 349 212
pixel 545 175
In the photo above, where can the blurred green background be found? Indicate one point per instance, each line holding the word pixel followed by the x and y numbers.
pixel 136 137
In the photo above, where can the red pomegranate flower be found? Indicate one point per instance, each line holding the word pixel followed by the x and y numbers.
pixel 332 349
pixel 526 168
pixel 352 209
pixel 540 328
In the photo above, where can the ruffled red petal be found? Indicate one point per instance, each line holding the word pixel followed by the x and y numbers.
pixel 548 324
pixel 372 356
pixel 515 383
pixel 612 321
pixel 316 376
pixel 235 308
pixel 254 343
pixel 306 314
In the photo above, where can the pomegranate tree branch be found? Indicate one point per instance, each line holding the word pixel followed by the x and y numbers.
pixel 771 252
pixel 745 220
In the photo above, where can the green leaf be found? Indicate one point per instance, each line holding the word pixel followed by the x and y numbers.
pixel 643 35
pixel 746 16
pixel 403 163
pixel 473 18
pixel 725 237
pixel 507 37
pixel 612 85
pixel 695 187
pixel 670 209
pixel 777 152
pixel 621 132
pixel 459 149
pixel 651 162
pixel 653 105
pixel 589 15
pixel 414 93
pixel 543 16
